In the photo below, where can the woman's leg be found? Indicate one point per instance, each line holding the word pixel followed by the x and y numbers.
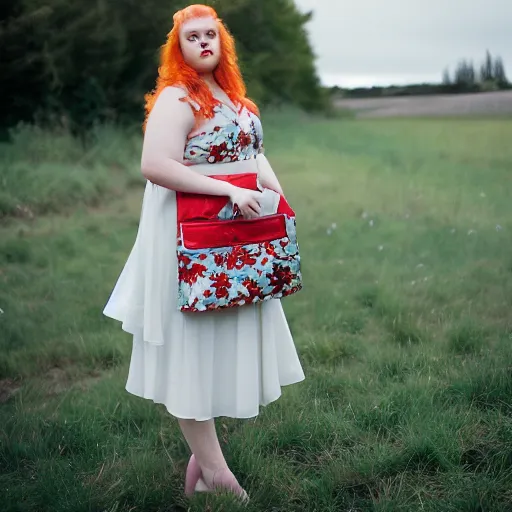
pixel 202 439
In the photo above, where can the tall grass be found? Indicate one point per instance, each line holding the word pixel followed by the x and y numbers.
pixel 49 171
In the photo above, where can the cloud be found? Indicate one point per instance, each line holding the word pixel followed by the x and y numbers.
pixel 379 38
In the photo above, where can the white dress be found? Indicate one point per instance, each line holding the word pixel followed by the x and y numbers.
pixel 208 364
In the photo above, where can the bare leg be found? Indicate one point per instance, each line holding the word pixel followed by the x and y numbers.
pixel 202 439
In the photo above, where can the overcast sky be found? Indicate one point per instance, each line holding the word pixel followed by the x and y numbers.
pixel 377 42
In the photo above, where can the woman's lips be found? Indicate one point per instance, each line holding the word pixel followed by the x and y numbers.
pixel 204 53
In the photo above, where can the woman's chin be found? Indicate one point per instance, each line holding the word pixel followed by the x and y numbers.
pixel 205 69
pixel 206 65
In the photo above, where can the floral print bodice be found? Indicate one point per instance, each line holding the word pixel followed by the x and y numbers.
pixel 227 137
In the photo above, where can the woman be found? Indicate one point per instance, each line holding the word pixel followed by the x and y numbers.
pixel 199 123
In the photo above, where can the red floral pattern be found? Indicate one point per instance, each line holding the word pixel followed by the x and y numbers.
pixel 229 138
pixel 211 279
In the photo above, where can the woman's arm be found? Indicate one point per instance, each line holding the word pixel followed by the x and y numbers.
pixel 169 123
pixel 167 128
pixel 266 174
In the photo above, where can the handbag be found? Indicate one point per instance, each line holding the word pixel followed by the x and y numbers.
pixel 226 261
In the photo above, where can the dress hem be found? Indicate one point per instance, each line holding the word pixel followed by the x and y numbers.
pixel 224 415
pixel 125 328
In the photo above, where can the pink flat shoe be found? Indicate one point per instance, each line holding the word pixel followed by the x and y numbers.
pixel 224 479
pixel 192 476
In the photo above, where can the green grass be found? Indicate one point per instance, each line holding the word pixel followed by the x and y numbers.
pixel 403 327
pixel 48 172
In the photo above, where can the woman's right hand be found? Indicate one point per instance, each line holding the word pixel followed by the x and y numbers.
pixel 247 200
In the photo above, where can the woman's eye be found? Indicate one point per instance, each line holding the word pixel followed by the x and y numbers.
pixel 192 38
pixel 211 34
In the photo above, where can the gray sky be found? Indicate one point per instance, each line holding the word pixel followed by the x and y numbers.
pixel 377 42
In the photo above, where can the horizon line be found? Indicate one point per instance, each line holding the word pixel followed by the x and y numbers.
pixel 354 81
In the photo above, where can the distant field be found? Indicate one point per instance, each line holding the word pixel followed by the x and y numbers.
pixel 480 104
pixel 404 327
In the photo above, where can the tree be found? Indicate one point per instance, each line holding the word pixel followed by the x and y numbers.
pixel 487 69
pixel 499 72
pixel 277 58
pixel 90 61
pixel 446 77
pixel 465 74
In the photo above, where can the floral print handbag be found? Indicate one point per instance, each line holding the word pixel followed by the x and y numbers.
pixel 225 261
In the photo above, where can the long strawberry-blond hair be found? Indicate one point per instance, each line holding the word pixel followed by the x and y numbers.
pixel 174 71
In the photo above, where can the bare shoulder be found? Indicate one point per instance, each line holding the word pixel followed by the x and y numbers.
pixel 171 98
pixel 172 93
pixel 169 109
pixel 169 123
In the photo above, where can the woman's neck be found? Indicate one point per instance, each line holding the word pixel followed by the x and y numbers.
pixel 217 90
pixel 210 81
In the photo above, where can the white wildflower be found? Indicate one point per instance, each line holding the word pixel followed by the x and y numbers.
pixel 333 225
pixel 482 194
pixel 364 215
pixel 329 231
pixel 371 223
pixel 498 227
pixel 471 232
pixel 381 247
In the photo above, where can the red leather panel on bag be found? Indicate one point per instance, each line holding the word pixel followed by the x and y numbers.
pixel 224 233
pixel 206 207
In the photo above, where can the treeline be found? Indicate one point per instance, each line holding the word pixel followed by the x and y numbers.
pixel 466 78
pixel 490 76
pixel 80 62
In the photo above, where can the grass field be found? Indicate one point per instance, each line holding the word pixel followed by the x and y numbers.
pixel 404 327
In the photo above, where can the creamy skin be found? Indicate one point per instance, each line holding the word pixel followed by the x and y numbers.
pixel 200 44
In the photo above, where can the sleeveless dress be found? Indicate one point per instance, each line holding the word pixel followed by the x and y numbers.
pixel 208 364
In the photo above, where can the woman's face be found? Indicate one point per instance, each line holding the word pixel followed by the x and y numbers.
pixel 200 44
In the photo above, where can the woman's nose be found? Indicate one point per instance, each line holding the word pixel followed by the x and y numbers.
pixel 204 45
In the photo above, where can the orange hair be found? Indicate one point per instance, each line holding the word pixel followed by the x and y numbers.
pixel 173 69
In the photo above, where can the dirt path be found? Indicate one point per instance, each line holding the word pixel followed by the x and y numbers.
pixel 490 103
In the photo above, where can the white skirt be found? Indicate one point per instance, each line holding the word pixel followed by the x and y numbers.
pixel 199 365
